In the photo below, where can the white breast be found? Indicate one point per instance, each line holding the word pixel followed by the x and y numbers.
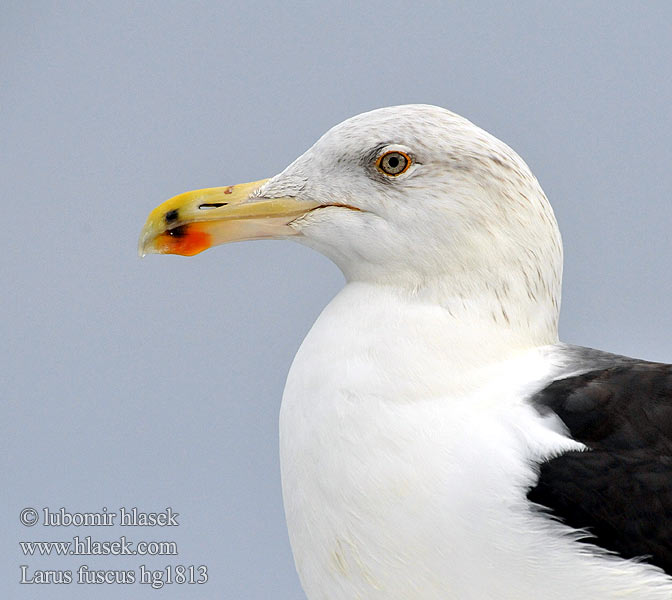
pixel 405 467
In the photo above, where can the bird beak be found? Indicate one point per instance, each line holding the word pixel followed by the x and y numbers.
pixel 195 221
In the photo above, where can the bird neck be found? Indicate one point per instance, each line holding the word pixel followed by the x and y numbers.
pixel 495 309
pixel 376 330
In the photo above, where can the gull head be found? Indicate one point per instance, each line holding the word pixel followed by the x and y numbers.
pixel 410 196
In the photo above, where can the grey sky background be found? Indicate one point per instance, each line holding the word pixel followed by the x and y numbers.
pixel 157 383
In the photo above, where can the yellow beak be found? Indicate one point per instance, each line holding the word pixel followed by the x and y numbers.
pixel 195 221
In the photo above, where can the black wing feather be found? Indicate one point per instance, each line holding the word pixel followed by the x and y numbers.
pixel 620 490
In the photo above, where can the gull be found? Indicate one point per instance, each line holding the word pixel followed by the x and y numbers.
pixel 437 440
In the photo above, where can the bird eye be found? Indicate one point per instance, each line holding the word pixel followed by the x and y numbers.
pixel 393 163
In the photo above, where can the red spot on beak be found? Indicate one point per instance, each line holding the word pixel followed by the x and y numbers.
pixel 185 240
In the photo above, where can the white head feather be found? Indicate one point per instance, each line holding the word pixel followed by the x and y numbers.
pixel 467 223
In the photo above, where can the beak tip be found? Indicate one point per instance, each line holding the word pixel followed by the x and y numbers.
pixel 143 243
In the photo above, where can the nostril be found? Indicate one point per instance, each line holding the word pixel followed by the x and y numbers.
pixel 211 205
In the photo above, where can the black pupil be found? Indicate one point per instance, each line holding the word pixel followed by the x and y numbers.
pixel 394 163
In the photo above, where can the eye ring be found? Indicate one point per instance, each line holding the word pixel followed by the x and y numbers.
pixel 393 163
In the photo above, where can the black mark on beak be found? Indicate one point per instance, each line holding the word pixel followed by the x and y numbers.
pixel 178 232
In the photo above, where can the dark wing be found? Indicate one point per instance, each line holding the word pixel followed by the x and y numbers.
pixel 620 490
